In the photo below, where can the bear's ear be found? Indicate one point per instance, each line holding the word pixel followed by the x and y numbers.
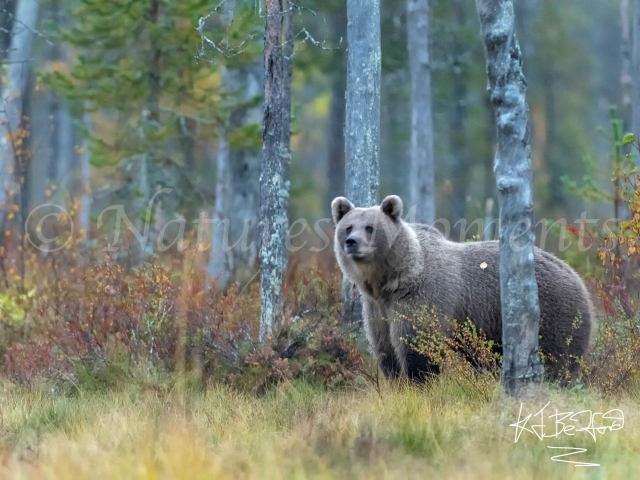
pixel 340 207
pixel 392 207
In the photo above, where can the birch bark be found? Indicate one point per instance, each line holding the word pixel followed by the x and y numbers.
pixel 522 366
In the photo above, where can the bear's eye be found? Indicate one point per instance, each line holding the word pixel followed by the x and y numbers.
pixel 369 229
pixel 349 230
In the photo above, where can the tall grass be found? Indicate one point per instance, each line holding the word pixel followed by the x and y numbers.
pixel 300 431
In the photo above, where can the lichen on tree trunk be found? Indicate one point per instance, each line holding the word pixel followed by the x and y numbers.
pixel 274 188
pixel 362 126
pixel 522 366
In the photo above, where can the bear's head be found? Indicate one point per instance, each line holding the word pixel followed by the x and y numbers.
pixel 366 235
pixel 374 243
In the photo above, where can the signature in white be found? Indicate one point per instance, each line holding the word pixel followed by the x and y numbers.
pixel 570 423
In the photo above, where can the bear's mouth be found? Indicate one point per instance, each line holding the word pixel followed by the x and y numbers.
pixel 356 255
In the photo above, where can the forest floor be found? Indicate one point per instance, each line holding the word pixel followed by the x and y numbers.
pixel 299 431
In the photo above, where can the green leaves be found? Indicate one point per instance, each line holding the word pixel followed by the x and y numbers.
pixel 629 139
pixel 119 45
pixel 12 306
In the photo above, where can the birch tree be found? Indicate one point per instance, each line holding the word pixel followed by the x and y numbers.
pixel 287 78
pixel 422 183
pixel 336 157
pixel 218 259
pixel 14 90
pixel 236 211
pixel 522 366
pixel 86 195
pixel 461 160
pixel 362 125
pixel 274 187
pixel 62 140
pixel 626 81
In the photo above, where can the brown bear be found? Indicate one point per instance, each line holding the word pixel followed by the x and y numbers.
pixel 396 265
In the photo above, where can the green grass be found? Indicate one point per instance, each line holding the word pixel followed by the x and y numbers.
pixel 297 431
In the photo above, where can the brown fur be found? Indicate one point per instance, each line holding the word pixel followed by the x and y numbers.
pixel 396 265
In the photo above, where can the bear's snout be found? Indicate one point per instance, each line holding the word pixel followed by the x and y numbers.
pixel 352 245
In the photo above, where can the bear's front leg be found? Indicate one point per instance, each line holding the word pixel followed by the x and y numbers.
pixel 414 365
pixel 378 334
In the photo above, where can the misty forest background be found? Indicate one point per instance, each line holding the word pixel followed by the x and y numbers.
pixel 90 102
pixel 148 121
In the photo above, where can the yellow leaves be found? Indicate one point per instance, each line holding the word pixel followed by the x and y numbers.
pixel 602 256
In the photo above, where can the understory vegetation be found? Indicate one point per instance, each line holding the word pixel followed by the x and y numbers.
pixel 111 370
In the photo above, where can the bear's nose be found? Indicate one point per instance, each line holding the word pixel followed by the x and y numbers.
pixel 351 242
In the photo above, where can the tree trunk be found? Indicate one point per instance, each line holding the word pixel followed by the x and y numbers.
pixel 241 205
pixel 218 259
pixel 362 126
pixel 218 267
pixel 62 135
pixel 26 17
pixel 489 181
pixel 287 72
pixel 287 78
pixel 244 169
pixel 459 148
pixel 522 366
pixel 274 190
pixel 626 82
pixel 636 69
pixel 336 157
pixel 153 97
pixel 422 178
pixel 63 145
pixel 556 188
pixel 86 198
pixel 145 161
pixel 336 160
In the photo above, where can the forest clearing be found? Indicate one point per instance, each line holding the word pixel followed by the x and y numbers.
pixel 247 239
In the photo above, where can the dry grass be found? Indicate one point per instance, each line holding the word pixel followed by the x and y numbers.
pixel 297 431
